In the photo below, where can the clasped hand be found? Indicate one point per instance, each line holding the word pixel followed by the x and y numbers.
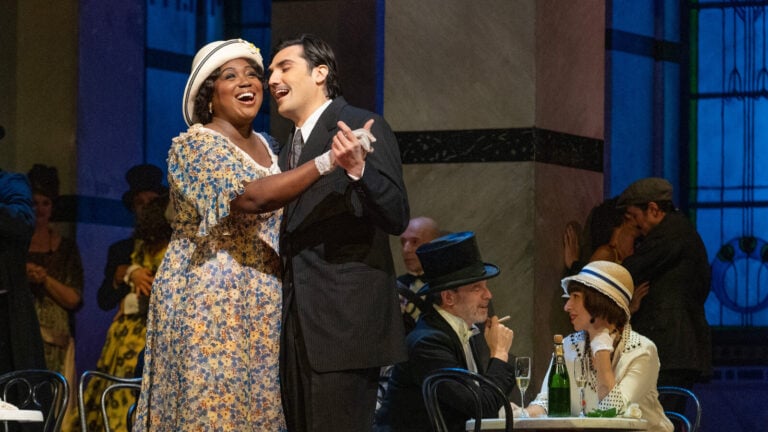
pixel 36 273
pixel 142 279
pixel 347 150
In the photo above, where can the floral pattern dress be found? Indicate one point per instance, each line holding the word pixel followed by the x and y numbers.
pixel 211 360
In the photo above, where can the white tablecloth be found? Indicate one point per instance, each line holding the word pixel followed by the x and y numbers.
pixel 574 423
pixel 21 415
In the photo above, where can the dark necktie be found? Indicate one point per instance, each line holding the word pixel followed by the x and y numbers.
pixel 296 146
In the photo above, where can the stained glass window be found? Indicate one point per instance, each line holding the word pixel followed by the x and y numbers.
pixel 175 31
pixel 729 154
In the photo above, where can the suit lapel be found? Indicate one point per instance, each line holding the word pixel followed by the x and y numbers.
pixel 320 136
pixel 437 321
pixel 282 157
pixel 319 141
pixel 480 351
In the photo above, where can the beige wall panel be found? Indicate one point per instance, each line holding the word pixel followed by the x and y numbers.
pixel 570 66
pixel 493 200
pixel 46 90
pixel 562 195
pixel 8 151
pixel 459 64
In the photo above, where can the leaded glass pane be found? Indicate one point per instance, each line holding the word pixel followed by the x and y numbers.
pixel 731 144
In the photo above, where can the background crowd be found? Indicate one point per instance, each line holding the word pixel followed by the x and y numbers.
pixel 273 294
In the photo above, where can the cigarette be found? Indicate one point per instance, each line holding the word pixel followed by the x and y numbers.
pixel 504 318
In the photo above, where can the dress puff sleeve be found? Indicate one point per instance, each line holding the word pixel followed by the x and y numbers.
pixel 208 172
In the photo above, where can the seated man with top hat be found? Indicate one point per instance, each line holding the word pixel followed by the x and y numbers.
pixel 455 284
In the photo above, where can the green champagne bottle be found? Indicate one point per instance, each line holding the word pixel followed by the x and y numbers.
pixel 559 385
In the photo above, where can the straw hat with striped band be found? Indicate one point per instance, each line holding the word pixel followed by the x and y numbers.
pixel 608 278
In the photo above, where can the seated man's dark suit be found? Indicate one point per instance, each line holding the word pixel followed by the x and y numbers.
pixel 119 254
pixel 434 345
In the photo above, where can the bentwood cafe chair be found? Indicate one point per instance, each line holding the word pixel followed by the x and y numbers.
pixel 472 383
pixel 37 389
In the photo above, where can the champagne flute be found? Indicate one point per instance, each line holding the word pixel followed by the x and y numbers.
pixel 523 377
pixel 580 375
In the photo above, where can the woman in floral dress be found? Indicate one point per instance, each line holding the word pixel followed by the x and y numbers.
pixel 211 361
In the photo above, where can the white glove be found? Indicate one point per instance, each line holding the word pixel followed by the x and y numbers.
pixel 323 163
pixel 602 342
pixel 366 138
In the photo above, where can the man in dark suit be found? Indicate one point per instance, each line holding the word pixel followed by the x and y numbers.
pixel 672 257
pixel 420 230
pixel 341 315
pixel 21 346
pixel 455 278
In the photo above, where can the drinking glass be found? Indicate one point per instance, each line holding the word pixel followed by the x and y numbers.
pixel 580 375
pixel 523 377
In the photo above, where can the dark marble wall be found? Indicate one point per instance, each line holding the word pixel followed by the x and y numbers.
pixel 501 145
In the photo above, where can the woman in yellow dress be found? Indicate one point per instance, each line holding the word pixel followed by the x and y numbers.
pixel 127 333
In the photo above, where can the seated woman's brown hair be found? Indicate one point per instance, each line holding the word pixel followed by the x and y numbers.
pixel 599 305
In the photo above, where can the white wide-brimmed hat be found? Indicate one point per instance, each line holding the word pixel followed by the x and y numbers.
pixel 608 278
pixel 208 59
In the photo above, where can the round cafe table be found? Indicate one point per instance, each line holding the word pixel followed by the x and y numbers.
pixel 21 415
pixel 563 424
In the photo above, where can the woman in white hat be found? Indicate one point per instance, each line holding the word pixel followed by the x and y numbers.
pixel 622 365
pixel 214 320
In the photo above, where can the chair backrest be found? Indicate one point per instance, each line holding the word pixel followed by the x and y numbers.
pixel 681 421
pixel 106 386
pixel 37 389
pixel 470 381
pixel 105 402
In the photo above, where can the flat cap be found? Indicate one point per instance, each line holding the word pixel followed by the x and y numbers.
pixel 646 190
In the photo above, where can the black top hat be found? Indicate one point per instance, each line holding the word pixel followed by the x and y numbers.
pixel 452 261
pixel 141 178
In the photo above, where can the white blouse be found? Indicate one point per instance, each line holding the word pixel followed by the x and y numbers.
pixel 636 367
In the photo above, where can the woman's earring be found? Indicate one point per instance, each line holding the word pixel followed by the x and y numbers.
pixel 210 107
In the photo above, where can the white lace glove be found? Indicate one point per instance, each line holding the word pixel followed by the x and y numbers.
pixel 366 138
pixel 602 342
pixel 323 163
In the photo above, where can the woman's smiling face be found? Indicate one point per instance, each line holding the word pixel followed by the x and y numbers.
pixel 238 92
